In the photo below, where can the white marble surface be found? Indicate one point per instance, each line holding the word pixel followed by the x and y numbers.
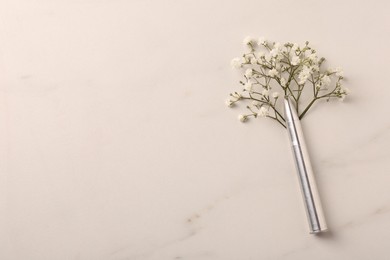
pixel 115 142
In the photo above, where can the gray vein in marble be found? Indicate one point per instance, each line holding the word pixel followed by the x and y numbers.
pixel 145 255
pixel 347 155
pixel 366 218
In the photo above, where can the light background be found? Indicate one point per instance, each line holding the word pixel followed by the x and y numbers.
pixel 115 142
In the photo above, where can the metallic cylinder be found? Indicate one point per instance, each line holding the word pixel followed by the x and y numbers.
pixel 308 186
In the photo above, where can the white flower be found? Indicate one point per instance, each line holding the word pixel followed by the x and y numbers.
pixel 242 118
pixel 236 63
pixel 344 93
pixel 294 48
pixel 253 61
pixel 346 90
pixel 248 86
pixel 260 54
pixel 276 50
pixel 283 82
pixel 249 73
pixel 265 92
pixel 229 103
pixel 273 72
pixel 339 72
pixel 295 60
pixel 263 112
pixel 305 73
pixel 261 41
pixel 325 80
pixel 275 95
pixel 315 67
pixel 342 97
pixel 255 103
pixel 313 57
pixel 248 40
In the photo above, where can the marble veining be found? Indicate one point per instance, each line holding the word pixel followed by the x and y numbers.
pixel 115 143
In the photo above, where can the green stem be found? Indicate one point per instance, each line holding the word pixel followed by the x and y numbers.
pixel 307 108
pixel 280 122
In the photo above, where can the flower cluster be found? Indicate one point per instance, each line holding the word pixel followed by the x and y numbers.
pixel 274 68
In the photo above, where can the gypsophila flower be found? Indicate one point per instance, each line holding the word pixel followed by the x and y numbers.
pixel 342 97
pixel 249 73
pixel 255 103
pixel 276 50
pixel 313 57
pixel 272 73
pixel 295 60
pixel 248 40
pixel 236 63
pixel 263 112
pixel 294 48
pixel 229 103
pixel 339 72
pixel 325 80
pixel 261 41
pixel 346 90
pixel 272 70
pixel 283 82
pixel 305 73
pixel 242 118
pixel 315 67
pixel 248 86
pixel 260 54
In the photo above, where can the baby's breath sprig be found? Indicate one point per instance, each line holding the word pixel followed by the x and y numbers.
pixel 288 67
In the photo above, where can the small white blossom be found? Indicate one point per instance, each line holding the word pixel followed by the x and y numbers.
pixel 261 41
pixel 346 90
pixel 283 82
pixel 263 112
pixel 325 80
pixel 242 118
pixel 260 54
pixel 248 40
pixel 305 73
pixel 255 103
pixel 294 48
pixel 249 73
pixel 275 95
pixel 313 57
pixel 253 61
pixel 339 72
pixel 268 58
pixel 276 50
pixel 295 60
pixel 315 67
pixel 265 92
pixel 236 63
pixel 248 86
pixel 273 72
pixel 229 103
